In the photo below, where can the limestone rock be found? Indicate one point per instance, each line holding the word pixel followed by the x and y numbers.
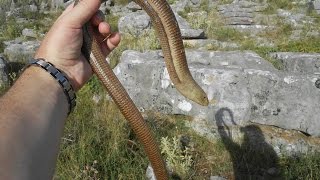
pixel 14 13
pixel 181 5
pixel 243 82
pixel 29 33
pixel 316 5
pixel 240 12
pixel 12 5
pixel 192 34
pixel 21 51
pixel 209 44
pixel 305 63
pixel 44 6
pixel 217 178
pixel 284 100
pixel 103 7
pixel 186 31
pixel 55 4
pixel 119 10
pixel 33 8
pixel 149 173
pixel 135 23
pixel 246 16
pixel 297 20
pixel 194 3
pixel 132 6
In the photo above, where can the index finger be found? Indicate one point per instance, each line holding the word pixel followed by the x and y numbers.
pixel 82 12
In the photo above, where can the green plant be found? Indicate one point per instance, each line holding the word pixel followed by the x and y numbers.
pixel 273 5
pixel 302 167
pixel 12 29
pixel 225 1
pixel 95 142
pixel 1 45
pixel 227 34
pixel 5 5
pixel 113 22
pixel 204 5
pixel 3 89
pixel 147 41
pixel 178 158
pixel 122 2
pixel 171 1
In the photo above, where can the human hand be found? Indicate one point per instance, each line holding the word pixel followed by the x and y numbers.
pixel 62 44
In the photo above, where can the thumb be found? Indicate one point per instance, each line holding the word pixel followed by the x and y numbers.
pixel 82 12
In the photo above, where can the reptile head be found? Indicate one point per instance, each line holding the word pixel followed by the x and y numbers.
pixel 193 92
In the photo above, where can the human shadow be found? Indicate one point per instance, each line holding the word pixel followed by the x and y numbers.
pixel 254 158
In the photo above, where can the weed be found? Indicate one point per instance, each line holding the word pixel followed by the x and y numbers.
pixel 178 158
pixel 204 5
pixel 227 34
pixel 172 1
pixel 302 167
pixel 95 86
pixel 225 1
pixel 113 22
pixel 122 2
pixel 98 132
pixel 273 5
pixel 13 30
pixel 3 89
pixel 1 45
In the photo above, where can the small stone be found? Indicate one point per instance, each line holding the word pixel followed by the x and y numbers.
pixel 217 178
pixel 150 174
pixel 192 34
pixel 132 6
pixel 29 33
pixel 96 98
pixel 273 171
pixel 43 6
pixel 316 5
pixel 186 31
pixel 33 8
pixel 185 140
pixel 317 83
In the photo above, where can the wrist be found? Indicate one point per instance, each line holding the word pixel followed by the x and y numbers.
pixel 60 78
pixel 37 92
pixel 77 71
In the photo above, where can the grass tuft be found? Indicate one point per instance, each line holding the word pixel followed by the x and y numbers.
pixel 303 167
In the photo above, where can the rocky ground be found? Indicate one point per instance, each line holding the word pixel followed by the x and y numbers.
pixel 248 56
pixel 243 86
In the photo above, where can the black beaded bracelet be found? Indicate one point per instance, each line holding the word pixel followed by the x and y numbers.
pixel 60 77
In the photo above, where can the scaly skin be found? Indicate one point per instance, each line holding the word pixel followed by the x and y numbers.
pixel 169 34
pixel 171 43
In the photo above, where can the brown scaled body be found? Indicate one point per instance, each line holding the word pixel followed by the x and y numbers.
pixel 172 46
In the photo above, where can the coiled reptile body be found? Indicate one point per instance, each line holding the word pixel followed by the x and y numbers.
pixel 172 46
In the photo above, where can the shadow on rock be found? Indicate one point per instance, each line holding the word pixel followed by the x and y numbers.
pixel 253 158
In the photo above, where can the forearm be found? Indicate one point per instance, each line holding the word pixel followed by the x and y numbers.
pixel 32 116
